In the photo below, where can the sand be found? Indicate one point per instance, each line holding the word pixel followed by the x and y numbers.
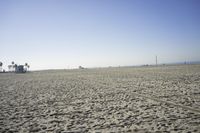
pixel 142 99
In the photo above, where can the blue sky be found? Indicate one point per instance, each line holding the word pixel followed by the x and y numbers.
pixel 50 34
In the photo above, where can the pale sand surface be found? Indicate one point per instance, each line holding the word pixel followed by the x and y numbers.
pixel 145 99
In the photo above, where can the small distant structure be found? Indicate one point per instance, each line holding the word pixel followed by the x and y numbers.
pixel 80 67
pixel 20 69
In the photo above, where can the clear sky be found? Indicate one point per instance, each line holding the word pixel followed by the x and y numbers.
pixel 50 34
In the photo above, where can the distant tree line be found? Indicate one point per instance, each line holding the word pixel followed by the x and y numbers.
pixel 15 67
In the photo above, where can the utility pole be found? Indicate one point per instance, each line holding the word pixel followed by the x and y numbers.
pixel 156 60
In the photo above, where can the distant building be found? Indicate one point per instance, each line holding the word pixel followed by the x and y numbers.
pixel 20 69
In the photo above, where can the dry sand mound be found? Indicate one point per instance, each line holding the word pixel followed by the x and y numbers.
pixel 148 99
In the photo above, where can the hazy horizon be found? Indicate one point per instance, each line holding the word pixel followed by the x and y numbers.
pixel 62 34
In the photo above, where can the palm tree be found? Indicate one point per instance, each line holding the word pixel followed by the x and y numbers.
pixel 26 66
pixel 13 65
pixel 1 64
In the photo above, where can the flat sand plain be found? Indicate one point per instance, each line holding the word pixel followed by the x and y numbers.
pixel 140 99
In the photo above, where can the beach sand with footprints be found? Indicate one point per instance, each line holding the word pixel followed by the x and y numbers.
pixel 137 99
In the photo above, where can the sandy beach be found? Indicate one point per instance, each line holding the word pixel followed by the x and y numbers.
pixel 126 99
